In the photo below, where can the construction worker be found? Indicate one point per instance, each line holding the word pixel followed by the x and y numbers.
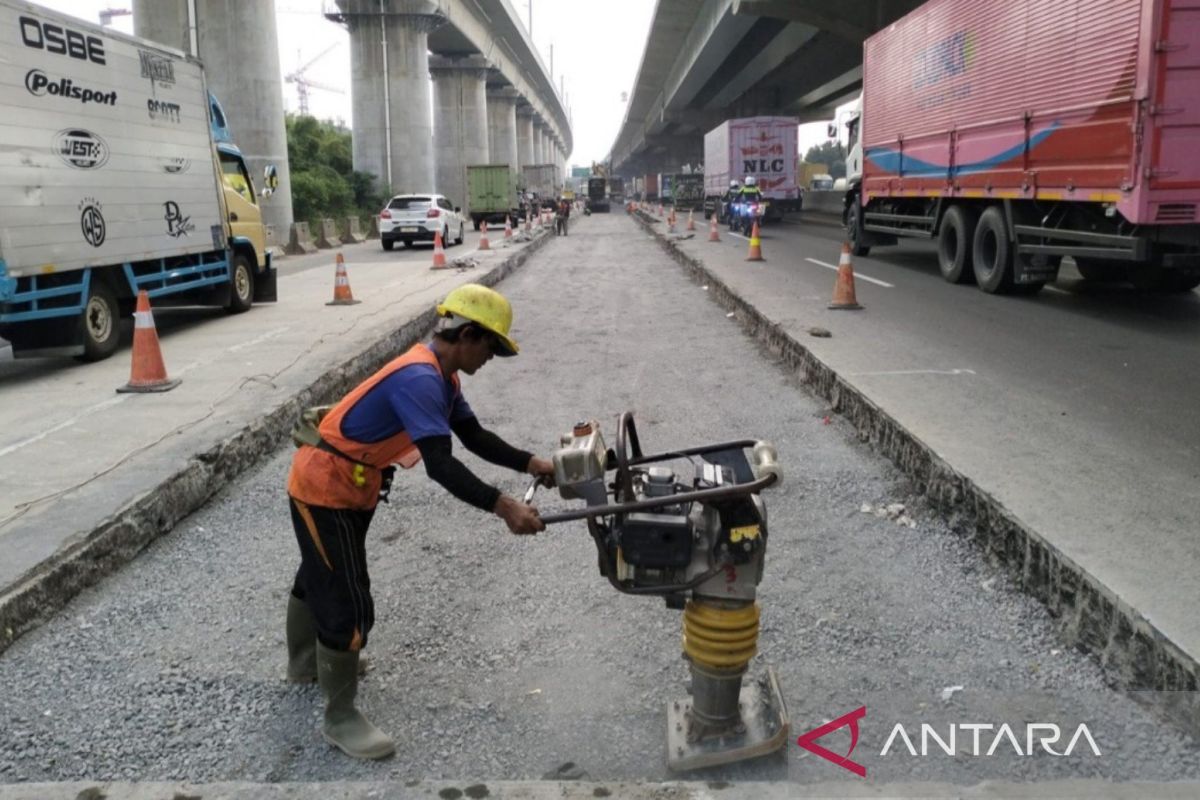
pixel 562 217
pixel 403 414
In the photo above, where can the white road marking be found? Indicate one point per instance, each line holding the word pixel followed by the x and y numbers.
pixel 1054 289
pixel 913 372
pixel 15 446
pixel 12 448
pixel 271 334
pixel 857 274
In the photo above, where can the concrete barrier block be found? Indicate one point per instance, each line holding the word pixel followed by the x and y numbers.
pixel 354 233
pixel 300 240
pixel 824 202
pixel 328 237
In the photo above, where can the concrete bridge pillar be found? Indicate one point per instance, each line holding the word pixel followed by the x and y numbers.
pixel 525 135
pixel 391 100
pixel 540 139
pixel 460 120
pixel 502 126
pixel 245 79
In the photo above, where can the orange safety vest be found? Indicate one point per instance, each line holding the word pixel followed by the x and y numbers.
pixel 325 479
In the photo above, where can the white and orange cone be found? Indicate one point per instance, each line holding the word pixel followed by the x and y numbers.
pixel 147 373
pixel 484 244
pixel 528 222
pixel 713 236
pixel 671 221
pixel 843 290
pixel 342 296
pixel 439 255
pixel 755 245
pixel 507 226
pixel 691 226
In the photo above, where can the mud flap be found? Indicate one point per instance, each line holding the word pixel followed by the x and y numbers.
pixel 265 284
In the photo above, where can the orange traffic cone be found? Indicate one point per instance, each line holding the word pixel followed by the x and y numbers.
pixel 713 236
pixel 755 245
pixel 148 373
pixel 342 296
pixel 843 290
pixel 439 255
pixel 484 244
pixel 691 226
pixel 671 221
pixel 507 226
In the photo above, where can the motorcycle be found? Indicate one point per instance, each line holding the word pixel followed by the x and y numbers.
pixel 743 214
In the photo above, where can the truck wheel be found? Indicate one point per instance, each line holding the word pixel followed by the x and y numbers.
pixel 100 322
pixel 460 238
pixel 1179 282
pixel 992 253
pixel 241 290
pixel 476 223
pixel 388 244
pixel 1099 270
pixel 956 236
pixel 407 243
pixel 854 233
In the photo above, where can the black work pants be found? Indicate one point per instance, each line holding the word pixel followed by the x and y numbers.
pixel 560 228
pixel 332 579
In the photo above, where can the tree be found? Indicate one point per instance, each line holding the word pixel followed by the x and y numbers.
pixel 832 155
pixel 324 183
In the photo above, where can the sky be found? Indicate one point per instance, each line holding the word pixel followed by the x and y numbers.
pixel 594 79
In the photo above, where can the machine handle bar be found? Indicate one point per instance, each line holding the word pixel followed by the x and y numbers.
pixel 700 495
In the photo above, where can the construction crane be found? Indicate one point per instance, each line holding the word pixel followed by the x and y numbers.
pixel 107 14
pixel 303 83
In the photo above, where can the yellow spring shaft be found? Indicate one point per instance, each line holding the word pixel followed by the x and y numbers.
pixel 720 638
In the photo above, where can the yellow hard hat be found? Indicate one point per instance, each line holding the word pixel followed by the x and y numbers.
pixel 486 307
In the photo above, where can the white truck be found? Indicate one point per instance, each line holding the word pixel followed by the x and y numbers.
pixel 118 173
pixel 763 148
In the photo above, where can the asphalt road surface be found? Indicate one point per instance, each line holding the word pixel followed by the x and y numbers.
pixel 504 657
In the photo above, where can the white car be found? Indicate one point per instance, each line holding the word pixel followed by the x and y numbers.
pixel 412 218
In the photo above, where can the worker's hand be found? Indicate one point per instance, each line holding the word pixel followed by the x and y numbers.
pixel 520 518
pixel 541 468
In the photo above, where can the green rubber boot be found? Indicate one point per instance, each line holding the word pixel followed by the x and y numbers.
pixel 345 726
pixel 302 644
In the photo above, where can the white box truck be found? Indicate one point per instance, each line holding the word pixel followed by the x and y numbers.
pixel 118 173
pixel 760 147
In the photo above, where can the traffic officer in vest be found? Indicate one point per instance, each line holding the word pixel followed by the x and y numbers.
pixel 750 192
pixel 402 415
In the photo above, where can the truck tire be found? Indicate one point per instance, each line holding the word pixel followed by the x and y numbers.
pixel 991 253
pixel 388 244
pixel 956 238
pixel 460 238
pixel 854 232
pixel 241 288
pixel 475 222
pixel 1100 270
pixel 1179 282
pixel 100 322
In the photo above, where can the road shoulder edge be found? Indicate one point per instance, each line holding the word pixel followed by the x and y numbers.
pixel 40 593
pixel 1133 653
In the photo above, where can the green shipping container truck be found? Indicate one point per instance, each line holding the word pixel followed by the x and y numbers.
pixel 491 193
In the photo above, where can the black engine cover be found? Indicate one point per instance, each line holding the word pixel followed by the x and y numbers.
pixel 655 540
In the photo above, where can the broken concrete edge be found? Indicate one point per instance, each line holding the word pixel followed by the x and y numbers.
pixel 1090 789
pixel 44 590
pixel 1130 649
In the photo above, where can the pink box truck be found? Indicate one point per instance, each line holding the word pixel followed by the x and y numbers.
pixel 1017 133
pixel 762 147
